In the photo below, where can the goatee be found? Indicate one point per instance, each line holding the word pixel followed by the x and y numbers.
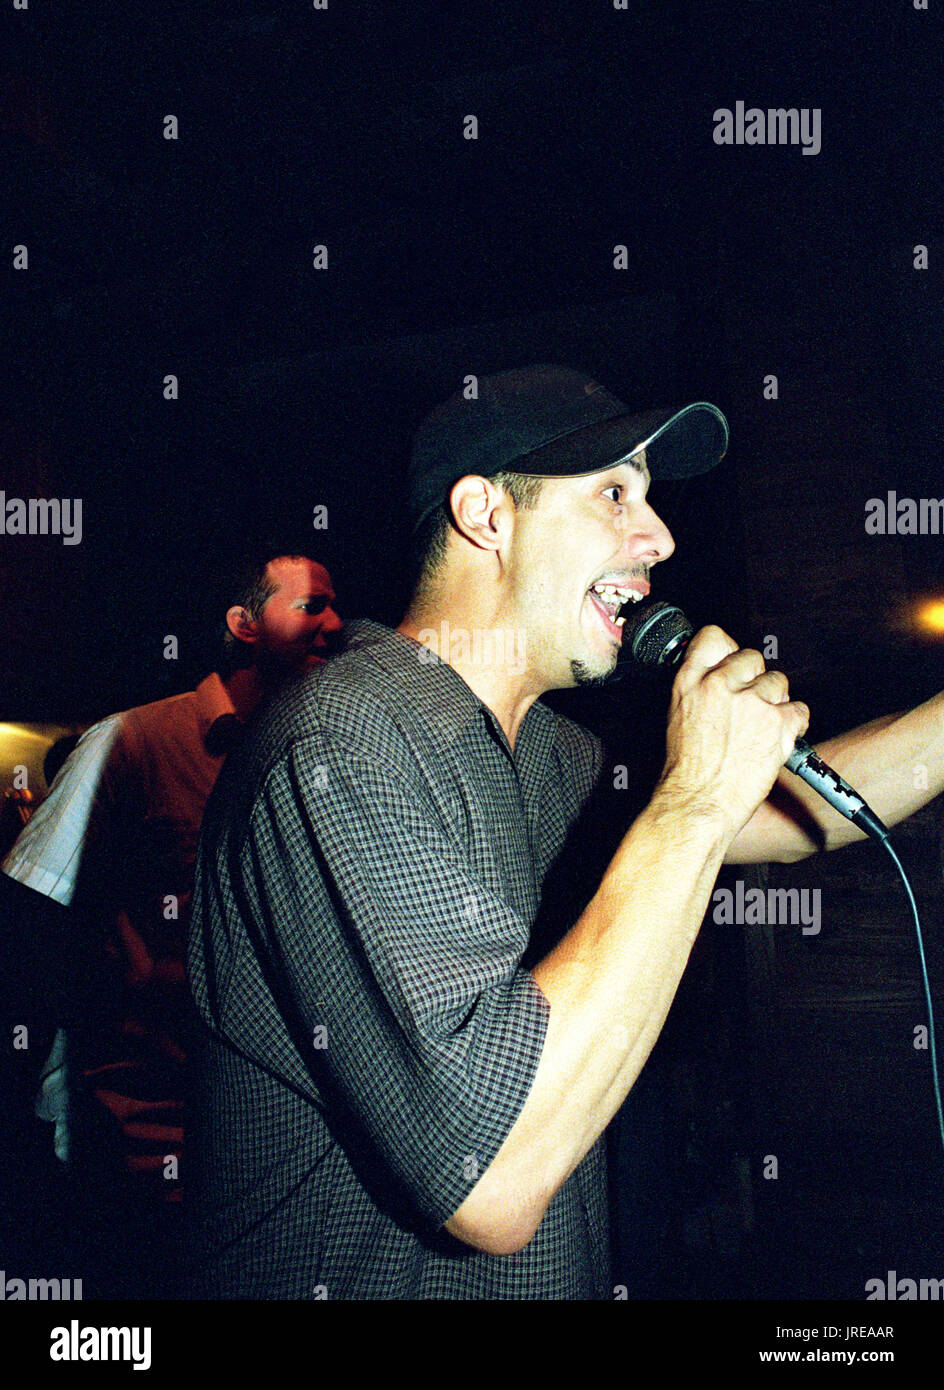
pixel 583 676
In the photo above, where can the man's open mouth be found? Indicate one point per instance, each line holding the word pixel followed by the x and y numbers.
pixel 608 599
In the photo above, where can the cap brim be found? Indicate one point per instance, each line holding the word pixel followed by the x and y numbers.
pixel 678 444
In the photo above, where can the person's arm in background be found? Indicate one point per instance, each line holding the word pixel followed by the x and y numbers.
pixel 895 763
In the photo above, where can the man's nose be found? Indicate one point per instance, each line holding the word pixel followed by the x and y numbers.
pixel 649 537
pixel 330 622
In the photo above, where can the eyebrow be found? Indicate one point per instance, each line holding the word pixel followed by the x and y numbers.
pixel 637 464
pixel 636 461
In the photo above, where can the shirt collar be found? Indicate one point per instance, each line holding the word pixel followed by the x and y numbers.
pixel 213 703
pixel 449 704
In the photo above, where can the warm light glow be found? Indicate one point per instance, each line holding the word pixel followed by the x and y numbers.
pixel 931 615
pixel 24 746
pixel 20 733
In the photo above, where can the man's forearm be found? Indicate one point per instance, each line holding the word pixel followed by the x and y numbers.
pixel 610 983
pixel 896 763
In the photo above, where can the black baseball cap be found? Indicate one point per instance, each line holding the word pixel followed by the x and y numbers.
pixel 553 422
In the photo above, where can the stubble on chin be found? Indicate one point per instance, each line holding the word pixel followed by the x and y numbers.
pixel 584 676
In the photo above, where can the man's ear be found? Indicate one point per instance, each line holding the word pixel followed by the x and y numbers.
pixel 241 625
pixel 480 511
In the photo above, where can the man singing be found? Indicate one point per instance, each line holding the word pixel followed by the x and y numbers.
pixel 392 1105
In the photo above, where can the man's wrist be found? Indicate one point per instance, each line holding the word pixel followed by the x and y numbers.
pixel 675 807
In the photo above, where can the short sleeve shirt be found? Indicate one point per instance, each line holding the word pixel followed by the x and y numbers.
pixel 47 855
pixel 370 868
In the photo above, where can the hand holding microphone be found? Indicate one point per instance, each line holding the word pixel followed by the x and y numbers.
pixel 730 727
pixel 662 636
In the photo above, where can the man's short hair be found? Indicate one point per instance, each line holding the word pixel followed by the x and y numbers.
pixel 432 538
pixel 249 586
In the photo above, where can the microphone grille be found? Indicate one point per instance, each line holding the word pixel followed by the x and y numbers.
pixel 655 634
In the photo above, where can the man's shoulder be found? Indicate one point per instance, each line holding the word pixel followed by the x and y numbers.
pixel 97 736
pixel 372 686
pixel 79 777
pixel 374 698
pixel 156 717
pixel 389 698
pixel 167 737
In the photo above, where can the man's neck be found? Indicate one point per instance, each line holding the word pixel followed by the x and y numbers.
pixel 489 658
pixel 246 690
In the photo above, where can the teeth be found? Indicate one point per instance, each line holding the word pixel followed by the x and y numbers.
pixel 625 595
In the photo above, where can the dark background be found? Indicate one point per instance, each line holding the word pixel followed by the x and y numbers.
pixel 449 256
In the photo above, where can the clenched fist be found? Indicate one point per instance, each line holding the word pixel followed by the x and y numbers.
pixel 732 725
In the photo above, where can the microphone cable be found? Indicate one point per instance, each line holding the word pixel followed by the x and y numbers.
pixel 886 841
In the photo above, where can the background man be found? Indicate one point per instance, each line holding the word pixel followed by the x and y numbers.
pixel 115 842
pixel 392 1106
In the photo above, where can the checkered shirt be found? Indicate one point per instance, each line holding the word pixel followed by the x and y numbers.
pixel 370 868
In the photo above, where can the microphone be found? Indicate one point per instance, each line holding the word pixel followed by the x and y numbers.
pixel 659 636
